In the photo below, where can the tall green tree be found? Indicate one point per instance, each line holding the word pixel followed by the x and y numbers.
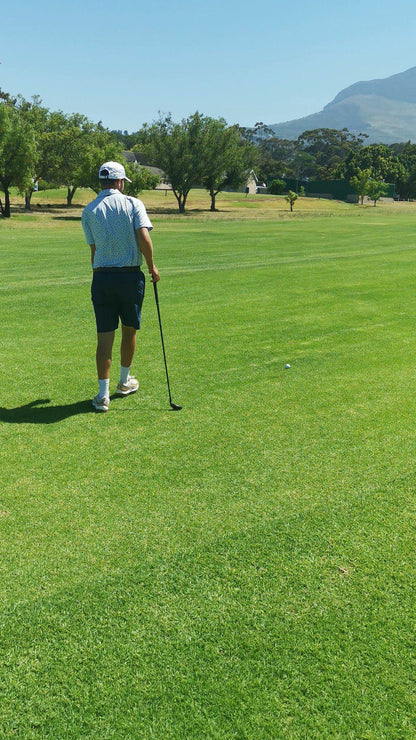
pixel 142 178
pixel 406 182
pixel 17 153
pixel 303 165
pixel 96 150
pixel 360 182
pixel 227 158
pixel 38 118
pixel 276 158
pixel 329 149
pixel 376 189
pixel 94 156
pixel 76 144
pixel 379 159
pixel 275 155
pixel 78 137
pixel 176 148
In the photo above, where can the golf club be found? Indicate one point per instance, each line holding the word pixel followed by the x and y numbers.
pixel 174 406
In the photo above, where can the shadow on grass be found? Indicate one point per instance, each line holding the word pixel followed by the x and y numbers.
pixel 36 412
pixel 66 218
pixel 162 211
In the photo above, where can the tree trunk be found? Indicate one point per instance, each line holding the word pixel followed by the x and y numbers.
pixel 213 196
pixel 70 194
pixel 181 198
pixel 6 209
pixel 28 198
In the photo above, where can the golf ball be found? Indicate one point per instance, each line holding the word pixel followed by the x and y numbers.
pixel 287 366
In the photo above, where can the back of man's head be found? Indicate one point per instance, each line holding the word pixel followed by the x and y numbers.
pixel 111 172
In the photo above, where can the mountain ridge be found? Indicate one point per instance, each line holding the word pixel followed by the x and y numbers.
pixel 384 109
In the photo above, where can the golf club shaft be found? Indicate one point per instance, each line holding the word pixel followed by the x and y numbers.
pixel 161 336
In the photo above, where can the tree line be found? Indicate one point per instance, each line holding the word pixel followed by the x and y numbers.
pixel 331 154
pixel 38 146
pixel 42 146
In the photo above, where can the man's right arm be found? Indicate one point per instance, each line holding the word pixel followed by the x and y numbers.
pixel 88 234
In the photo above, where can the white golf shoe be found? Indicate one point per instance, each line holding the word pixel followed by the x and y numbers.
pixel 101 404
pixel 131 386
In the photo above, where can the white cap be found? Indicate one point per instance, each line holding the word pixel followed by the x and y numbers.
pixel 112 171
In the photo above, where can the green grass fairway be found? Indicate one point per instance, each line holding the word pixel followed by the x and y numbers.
pixel 243 569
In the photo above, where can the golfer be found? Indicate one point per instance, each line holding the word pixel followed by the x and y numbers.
pixel 116 227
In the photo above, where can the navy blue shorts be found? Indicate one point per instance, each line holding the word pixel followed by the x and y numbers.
pixel 117 295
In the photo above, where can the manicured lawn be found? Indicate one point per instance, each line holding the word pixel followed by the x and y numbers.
pixel 243 568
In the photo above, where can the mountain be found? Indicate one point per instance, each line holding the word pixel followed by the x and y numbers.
pixel 384 109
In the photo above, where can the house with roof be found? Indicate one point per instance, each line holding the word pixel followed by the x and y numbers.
pixel 254 185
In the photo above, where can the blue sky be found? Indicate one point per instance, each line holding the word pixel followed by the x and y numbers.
pixel 270 61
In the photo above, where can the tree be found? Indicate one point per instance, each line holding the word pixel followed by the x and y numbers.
pixel 76 144
pixel 141 179
pixel 275 155
pixel 38 118
pixel 91 158
pixel 303 165
pixel 226 158
pixel 329 149
pixel 406 155
pixel 375 190
pixel 379 159
pixel 17 152
pixel 260 132
pixel 360 183
pixel 176 148
pixel 291 197
pixel 127 140
pixel 87 137
pixel 66 143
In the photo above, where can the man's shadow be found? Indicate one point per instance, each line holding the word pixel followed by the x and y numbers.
pixel 36 412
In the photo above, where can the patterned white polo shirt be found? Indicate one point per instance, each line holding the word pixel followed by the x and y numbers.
pixel 109 222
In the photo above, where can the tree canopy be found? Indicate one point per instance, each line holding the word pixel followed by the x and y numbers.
pixel 177 148
pixel 17 153
pixel 36 143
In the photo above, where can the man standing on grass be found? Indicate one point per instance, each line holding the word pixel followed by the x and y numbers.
pixel 117 227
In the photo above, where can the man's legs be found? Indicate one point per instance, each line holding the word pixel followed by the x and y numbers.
pixel 128 345
pixel 127 384
pixel 105 342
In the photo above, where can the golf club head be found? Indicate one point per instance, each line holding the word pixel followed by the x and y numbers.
pixel 175 406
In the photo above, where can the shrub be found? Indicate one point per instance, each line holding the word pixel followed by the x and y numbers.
pixel 276 187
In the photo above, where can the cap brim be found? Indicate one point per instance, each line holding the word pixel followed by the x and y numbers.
pixel 128 180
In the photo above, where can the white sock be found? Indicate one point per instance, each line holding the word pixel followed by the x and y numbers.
pixel 124 374
pixel 104 385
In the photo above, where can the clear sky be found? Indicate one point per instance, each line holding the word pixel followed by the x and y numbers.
pixel 247 61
